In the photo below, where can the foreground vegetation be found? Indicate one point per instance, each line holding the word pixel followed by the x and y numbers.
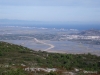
pixel 12 58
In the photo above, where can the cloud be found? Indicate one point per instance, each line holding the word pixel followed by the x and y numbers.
pixel 91 3
pixel 51 10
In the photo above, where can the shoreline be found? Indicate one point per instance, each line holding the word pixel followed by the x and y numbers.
pixel 51 50
pixel 65 52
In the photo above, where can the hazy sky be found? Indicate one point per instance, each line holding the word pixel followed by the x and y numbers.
pixel 51 10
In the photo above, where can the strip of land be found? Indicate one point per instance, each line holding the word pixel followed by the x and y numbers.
pixel 51 46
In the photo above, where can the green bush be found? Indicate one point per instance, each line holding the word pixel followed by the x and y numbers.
pixel 15 72
pixel 52 73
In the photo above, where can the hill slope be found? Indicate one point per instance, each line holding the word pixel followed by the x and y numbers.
pixel 15 56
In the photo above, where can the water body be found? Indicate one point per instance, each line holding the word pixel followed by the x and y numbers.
pixel 47 45
pixel 58 46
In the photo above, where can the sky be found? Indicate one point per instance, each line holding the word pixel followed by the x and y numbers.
pixel 63 11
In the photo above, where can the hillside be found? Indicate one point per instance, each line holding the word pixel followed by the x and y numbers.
pixel 15 58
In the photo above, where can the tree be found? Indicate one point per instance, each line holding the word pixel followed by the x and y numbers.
pixel 15 72
pixel 52 73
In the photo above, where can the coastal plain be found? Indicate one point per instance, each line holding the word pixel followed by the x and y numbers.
pixel 51 40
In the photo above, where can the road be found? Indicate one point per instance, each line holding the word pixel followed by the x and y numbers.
pixel 51 46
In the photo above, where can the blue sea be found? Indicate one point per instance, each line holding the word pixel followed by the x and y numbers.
pixel 66 26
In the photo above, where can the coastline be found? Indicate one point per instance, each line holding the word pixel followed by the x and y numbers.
pixel 52 49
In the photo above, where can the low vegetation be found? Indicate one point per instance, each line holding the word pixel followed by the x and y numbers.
pixel 13 58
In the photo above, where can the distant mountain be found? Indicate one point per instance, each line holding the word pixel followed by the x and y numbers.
pixel 49 24
pixel 8 21
pixel 91 32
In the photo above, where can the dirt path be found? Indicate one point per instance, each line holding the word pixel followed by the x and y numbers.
pixel 51 46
